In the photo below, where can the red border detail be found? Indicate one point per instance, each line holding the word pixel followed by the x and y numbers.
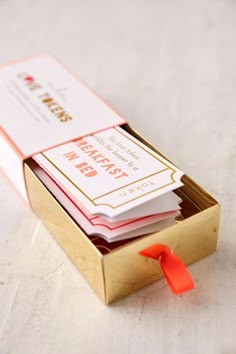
pixel 23 156
pixel 131 221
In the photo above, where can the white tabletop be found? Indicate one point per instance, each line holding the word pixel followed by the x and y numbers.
pixel 169 68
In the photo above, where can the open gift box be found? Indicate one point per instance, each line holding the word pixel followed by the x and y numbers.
pixel 113 270
pixel 116 270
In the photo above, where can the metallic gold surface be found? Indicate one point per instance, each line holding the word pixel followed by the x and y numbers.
pixel 191 239
pixel 70 237
pixel 122 271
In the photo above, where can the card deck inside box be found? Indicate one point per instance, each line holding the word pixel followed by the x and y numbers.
pixel 191 205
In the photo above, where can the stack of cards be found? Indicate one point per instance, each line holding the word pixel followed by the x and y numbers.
pixel 113 185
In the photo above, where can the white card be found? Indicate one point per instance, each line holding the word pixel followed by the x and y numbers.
pixel 95 225
pixel 162 204
pixel 43 105
pixel 110 172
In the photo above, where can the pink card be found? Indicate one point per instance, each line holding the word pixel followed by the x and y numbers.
pixel 95 225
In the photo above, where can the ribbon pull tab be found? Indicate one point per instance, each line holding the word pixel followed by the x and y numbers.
pixel 174 270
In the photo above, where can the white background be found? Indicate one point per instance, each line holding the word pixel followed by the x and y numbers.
pixel 169 68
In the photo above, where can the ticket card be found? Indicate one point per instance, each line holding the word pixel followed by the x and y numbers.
pixel 110 172
pixel 95 225
pixel 166 202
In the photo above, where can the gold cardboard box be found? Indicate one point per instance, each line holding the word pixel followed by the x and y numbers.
pixel 116 270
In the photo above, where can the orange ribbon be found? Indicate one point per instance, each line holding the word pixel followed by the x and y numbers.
pixel 174 270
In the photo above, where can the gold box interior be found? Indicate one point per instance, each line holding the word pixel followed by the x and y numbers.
pixel 115 270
